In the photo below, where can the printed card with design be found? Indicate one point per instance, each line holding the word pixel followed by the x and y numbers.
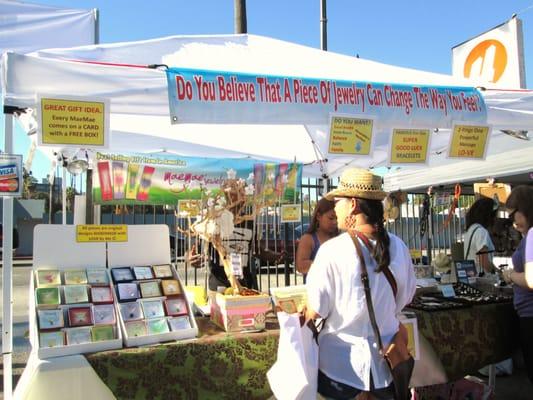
pixel 101 294
pixel 75 294
pixel 48 277
pixel 157 326
pixel 50 319
pixel 131 311
pixel 123 274
pixel 75 277
pixel 127 291
pixel 47 296
pixel 150 289
pixel 136 328
pixel 51 339
pixel 143 273
pixel 171 287
pixel 179 323
pixel 162 271
pixel 153 308
pixel 80 316
pixel 78 335
pixel 101 333
pixel 97 276
pixel 104 314
pixel 176 306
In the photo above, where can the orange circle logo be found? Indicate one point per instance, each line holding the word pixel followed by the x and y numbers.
pixel 481 56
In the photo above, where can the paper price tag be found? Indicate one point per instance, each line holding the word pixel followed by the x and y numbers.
pixel 236 264
pixel 447 290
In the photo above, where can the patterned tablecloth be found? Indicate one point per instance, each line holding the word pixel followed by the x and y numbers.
pixel 220 365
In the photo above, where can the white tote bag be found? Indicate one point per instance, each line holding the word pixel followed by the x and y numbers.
pixel 294 374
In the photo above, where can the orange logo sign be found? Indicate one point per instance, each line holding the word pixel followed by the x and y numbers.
pixel 482 55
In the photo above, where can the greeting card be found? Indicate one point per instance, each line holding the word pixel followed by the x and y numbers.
pixel 176 306
pixel 48 277
pixel 48 296
pixel 97 276
pixel 150 289
pixel 157 326
pixel 123 274
pixel 153 308
pixel 179 323
pixel 78 335
pixel 171 287
pixel 101 333
pixel 79 316
pixel 104 314
pixel 162 271
pixel 75 277
pixel 131 311
pixel 51 339
pixel 144 272
pixel 50 319
pixel 127 291
pixel 75 294
pixel 101 294
pixel 136 328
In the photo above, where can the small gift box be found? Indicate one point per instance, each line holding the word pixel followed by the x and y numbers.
pixel 176 306
pixel 179 323
pixel 75 277
pixel 131 311
pixel 50 319
pixel 78 335
pixel 51 339
pixel 101 294
pixel 162 271
pixel 104 314
pixel 122 274
pixel 171 287
pixel 135 328
pixel 75 294
pixel 97 276
pixel 157 326
pixel 144 272
pixel 150 289
pixel 47 296
pixel 101 333
pixel 153 308
pixel 127 291
pixel 48 277
pixel 80 316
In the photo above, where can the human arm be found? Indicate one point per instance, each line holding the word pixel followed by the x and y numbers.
pixel 484 260
pixel 523 279
pixel 405 277
pixel 303 254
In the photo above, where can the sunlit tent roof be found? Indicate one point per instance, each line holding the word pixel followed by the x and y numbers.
pixel 139 99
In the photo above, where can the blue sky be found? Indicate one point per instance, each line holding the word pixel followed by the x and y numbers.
pixel 416 34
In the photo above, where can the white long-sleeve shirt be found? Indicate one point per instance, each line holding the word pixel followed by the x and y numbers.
pixel 348 350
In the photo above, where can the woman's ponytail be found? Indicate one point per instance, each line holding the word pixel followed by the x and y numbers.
pixel 373 209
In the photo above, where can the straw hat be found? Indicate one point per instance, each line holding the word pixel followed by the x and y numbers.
pixel 357 182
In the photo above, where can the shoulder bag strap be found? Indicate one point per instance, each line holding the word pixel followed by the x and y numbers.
pixel 368 297
pixel 386 270
pixel 470 241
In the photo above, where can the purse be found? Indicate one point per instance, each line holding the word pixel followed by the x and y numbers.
pixel 397 356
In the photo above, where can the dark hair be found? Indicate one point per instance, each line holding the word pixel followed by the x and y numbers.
pixel 521 199
pixel 322 206
pixel 373 209
pixel 482 212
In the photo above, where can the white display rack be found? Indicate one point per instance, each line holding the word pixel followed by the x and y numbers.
pixel 55 247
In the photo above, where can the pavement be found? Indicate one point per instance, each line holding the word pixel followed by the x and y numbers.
pixel 514 387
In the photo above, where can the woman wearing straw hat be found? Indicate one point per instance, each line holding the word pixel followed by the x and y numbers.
pixel 349 360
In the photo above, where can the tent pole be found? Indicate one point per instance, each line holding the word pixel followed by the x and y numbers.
pixel 323 26
pixel 7 272
pixel 64 194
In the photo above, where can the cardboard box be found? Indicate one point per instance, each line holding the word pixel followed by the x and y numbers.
pixel 240 313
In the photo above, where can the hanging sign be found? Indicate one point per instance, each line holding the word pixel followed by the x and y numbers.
pixel 200 96
pixel 469 141
pixel 130 179
pixel 291 213
pixel 101 233
pixel 350 135
pixel 11 177
pixel 409 146
pixel 73 122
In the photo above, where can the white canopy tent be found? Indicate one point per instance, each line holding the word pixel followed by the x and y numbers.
pixel 139 100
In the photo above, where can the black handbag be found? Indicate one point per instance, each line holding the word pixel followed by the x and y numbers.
pixel 397 356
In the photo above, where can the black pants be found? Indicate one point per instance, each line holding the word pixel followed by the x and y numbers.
pixel 526 341
pixel 331 389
